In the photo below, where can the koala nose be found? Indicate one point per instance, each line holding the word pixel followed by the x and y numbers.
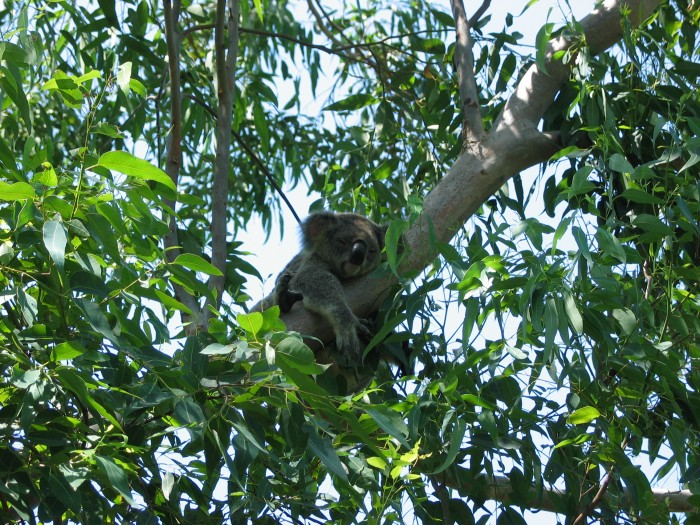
pixel 358 253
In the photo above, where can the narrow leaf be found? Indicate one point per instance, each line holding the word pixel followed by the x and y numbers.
pixel 117 477
pixel 55 240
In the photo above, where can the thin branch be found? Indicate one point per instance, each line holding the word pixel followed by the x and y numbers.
pixel 253 156
pixel 226 54
pixel 472 128
pixel 173 155
pixel 581 518
pixel 479 13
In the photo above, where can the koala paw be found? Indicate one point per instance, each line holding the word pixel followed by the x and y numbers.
pixel 351 343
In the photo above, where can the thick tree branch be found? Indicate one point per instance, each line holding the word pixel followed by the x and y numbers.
pixel 500 489
pixel 173 154
pixel 472 128
pixel 226 54
pixel 537 89
pixel 513 145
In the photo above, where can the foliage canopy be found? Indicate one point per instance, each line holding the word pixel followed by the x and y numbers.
pixel 555 337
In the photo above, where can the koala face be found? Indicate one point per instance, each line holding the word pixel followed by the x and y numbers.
pixel 347 243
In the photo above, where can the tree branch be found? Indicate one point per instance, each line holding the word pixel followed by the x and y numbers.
pixel 537 89
pixel 173 154
pixel 514 145
pixel 226 54
pixel 472 128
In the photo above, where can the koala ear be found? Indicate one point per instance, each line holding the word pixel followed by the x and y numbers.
pixel 317 226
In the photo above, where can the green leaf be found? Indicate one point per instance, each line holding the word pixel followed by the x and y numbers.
pixel 66 351
pixel 541 43
pixel 323 449
pixel 572 313
pixel 391 422
pixel 551 325
pixel 77 384
pixel 435 46
pixel 188 413
pixel 196 263
pixel 583 415
pixel 641 196
pixel 353 102
pixel 620 164
pixel 55 240
pixel 627 320
pixel 124 77
pixel 392 240
pixel 291 352
pixel 456 437
pixel 16 191
pixel 251 322
pixel 116 476
pixel 652 224
pixel 582 243
pixel 610 245
pixel 259 9
pixel 126 163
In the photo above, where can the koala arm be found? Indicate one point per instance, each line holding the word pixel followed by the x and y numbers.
pixel 323 294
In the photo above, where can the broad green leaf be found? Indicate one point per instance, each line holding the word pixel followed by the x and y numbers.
pixel 620 164
pixel 197 264
pixel 116 476
pixel 551 325
pixel 55 240
pixel 291 352
pixel 66 351
pixel 641 196
pixel 26 378
pixel 582 243
pixel 188 413
pixel 541 44
pixel 583 415
pixel 62 490
pixel 217 349
pixel 627 320
pixel 251 322
pixel 259 9
pixel 86 282
pixel 16 191
pixel 124 77
pixel 435 46
pixel 77 384
pixel 652 224
pixel 392 241
pixel 126 163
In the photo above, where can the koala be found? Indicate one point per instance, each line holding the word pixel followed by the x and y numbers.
pixel 336 247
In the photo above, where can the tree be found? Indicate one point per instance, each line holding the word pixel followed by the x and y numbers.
pixel 554 353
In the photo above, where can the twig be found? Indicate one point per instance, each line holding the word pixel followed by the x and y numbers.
pixel 581 518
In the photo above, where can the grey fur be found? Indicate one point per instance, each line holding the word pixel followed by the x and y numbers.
pixel 337 247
